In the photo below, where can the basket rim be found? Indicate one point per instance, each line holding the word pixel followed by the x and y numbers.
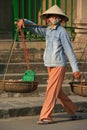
pixel 17 81
pixel 78 84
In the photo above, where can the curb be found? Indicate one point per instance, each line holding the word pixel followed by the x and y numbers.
pixel 32 111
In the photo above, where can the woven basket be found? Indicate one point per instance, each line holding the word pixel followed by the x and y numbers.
pixel 79 88
pixel 18 86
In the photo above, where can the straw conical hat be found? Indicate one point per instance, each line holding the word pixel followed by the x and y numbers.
pixel 54 10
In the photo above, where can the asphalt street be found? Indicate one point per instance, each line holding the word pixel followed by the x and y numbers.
pixel 62 122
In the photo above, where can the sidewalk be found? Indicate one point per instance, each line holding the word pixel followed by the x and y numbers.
pixel 29 106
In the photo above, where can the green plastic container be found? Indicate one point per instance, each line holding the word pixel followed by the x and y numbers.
pixel 29 75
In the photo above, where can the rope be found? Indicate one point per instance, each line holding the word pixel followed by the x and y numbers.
pixel 25 48
pixel 10 56
pixel 25 52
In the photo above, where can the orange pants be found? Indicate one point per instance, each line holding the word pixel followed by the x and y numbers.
pixel 54 92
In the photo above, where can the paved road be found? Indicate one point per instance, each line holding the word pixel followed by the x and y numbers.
pixel 29 123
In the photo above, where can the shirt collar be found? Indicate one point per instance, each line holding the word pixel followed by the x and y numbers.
pixel 53 27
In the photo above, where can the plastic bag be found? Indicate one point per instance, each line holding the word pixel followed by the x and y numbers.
pixel 29 75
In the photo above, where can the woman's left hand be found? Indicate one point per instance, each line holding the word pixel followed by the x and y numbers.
pixel 77 75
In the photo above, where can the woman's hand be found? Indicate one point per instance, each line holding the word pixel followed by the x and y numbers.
pixel 77 75
pixel 20 23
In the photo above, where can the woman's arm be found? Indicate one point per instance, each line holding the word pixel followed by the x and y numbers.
pixel 69 52
pixel 41 30
pixel 35 29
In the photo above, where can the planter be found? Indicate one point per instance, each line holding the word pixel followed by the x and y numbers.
pixel 18 86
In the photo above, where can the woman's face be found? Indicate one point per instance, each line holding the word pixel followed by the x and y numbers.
pixel 52 19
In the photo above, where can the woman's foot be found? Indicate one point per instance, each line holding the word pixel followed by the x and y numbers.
pixel 45 121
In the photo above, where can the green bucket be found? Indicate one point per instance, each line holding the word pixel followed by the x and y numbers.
pixel 29 75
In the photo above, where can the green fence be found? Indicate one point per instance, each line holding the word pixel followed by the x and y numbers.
pixel 31 8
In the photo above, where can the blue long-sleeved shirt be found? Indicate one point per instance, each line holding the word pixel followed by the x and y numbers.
pixel 58 45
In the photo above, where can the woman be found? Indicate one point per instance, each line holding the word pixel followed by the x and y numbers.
pixel 58 46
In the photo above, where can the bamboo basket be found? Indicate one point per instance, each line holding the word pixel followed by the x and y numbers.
pixel 79 88
pixel 18 86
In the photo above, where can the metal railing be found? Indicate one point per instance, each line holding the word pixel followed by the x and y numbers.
pixel 31 9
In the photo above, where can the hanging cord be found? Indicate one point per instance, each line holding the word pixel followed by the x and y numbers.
pixel 24 45
pixel 25 49
pixel 83 51
pixel 10 55
pixel 84 67
pixel 83 78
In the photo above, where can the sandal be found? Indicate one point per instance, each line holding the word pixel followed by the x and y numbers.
pixel 45 121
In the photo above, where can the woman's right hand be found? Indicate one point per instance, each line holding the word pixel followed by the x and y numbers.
pixel 20 23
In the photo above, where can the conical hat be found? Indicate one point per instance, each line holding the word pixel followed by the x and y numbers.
pixel 54 10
